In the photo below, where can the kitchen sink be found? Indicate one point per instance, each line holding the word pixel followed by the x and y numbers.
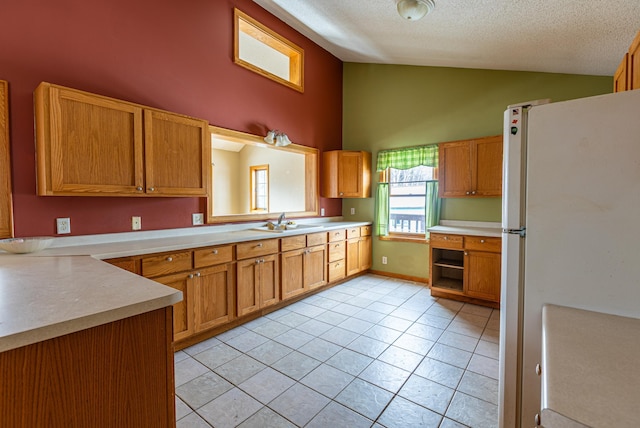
pixel 289 228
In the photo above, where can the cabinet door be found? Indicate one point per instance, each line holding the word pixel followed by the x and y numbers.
pixel 315 266
pixel 183 319
pixel 6 211
pixel 487 159
pixel 482 275
pixel 269 280
pixel 87 144
pixel 364 250
pixel 213 295
pixel 633 66
pixel 346 174
pixel 620 76
pixel 248 294
pixel 455 169
pixel 292 273
pixel 350 174
pixel 177 153
pixel 353 256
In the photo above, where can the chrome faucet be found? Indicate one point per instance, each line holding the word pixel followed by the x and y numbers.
pixel 280 219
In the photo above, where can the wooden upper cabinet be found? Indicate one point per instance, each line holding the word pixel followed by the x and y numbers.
pixel 471 168
pixel 176 151
pixel 627 76
pixel 6 211
pixel 93 145
pixel 346 174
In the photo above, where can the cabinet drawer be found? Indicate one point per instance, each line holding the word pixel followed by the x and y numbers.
pixel 481 243
pixel 439 240
pixel 247 250
pixel 316 239
pixel 353 232
pixel 212 256
pixel 293 243
pixel 337 235
pixel 337 251
pixel 337 270
pixel 365 231
pixel 166 263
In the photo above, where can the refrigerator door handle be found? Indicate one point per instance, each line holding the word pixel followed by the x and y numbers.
pixel 522 232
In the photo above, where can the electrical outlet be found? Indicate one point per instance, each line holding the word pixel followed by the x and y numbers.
pixel 322 212
pixel 384 260
pixel 136 223
pixel 63 225
pixel 197 218
pixel 353 211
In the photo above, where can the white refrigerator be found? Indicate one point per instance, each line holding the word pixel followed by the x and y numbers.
pixel 571 227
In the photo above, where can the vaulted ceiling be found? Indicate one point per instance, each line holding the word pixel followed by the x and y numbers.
pixel 560 36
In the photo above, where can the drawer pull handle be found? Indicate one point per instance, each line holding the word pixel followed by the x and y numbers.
pixel 198 274
pixel 152 189
pixel 538 369
pixel 169 259
pixel 446 238
pixel 139 188
pixel 259 245
pixel 215 251
pixel 468 193
pixel 482 241
pixel 190 276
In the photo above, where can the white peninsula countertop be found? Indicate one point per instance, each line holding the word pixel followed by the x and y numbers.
pixel 46 297
pixel 472 228
pixel 590 372
pixel 67 288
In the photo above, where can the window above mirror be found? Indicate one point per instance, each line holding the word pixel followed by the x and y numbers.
pixel 262 50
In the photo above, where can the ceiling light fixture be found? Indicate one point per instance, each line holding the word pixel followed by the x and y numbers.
pixel 278 138
pixel 413 10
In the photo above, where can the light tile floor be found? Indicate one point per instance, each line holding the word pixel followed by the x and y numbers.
pixel 371 352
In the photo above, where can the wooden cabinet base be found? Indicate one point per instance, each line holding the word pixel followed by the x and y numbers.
pixel 439 292
pixel 118 374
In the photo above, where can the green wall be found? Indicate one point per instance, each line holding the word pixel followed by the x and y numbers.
pixel 391 106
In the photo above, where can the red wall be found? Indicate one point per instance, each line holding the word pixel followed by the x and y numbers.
pixel 173 55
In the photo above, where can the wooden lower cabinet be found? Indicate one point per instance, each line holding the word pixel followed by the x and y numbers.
pixel 118 374
pixel 258 283
pixel 303 270
pixel 358 254
pixel 222 283
pixel 292 264
pixel 214 296
pixel 207 299
pixel 315 262
pixel 482 275
pixel 466 268
pixel 183 311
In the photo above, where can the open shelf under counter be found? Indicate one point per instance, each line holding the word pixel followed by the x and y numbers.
pixel 449 263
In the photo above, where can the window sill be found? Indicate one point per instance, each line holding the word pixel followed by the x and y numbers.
pixel 404 238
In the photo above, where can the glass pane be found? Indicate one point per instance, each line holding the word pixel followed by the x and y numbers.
pixel 264 56
pixel 407 200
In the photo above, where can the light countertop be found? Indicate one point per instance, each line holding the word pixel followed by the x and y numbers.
pixel 67 288
pixel 157 241
pixel 590 372
pixel 46 297
pixel 473 228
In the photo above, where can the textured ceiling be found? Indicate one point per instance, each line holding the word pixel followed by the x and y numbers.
pixel 559 36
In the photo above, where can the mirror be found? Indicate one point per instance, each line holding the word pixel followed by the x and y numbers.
pixel 252 180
